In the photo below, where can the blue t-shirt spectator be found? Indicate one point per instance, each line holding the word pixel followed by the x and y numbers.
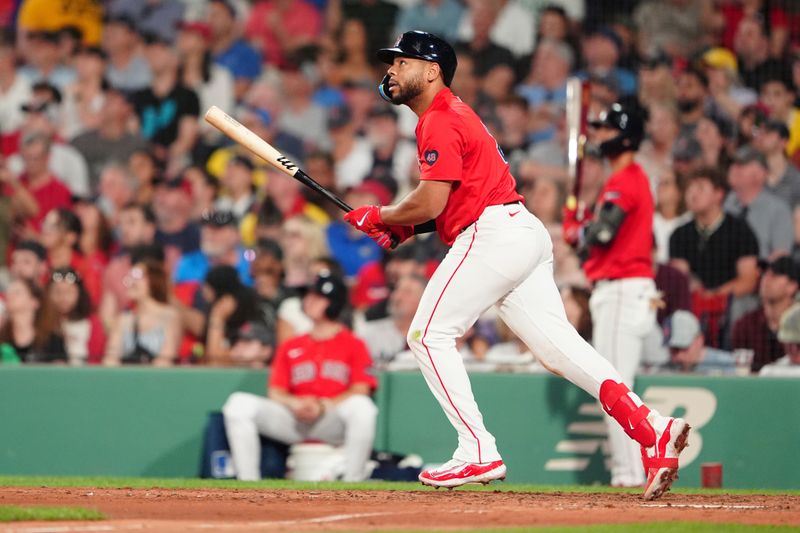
pixel 242 60
pixel 352 251
pixel 195 266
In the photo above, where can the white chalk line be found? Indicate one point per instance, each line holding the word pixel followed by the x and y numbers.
pixel 703 505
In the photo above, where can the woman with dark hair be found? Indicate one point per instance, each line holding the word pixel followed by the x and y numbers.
pixel 30 329
pixel 84 337
pixel 151 332
pixel 232 306
pixel 144 164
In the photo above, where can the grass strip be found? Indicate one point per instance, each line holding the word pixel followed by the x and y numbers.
pixel 14 513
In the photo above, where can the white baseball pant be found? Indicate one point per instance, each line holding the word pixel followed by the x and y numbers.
pixel 504 259
pixel 623 315
pixel 351 422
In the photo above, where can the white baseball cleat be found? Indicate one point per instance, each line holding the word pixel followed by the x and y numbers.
pixel 661 460
pixel 455 473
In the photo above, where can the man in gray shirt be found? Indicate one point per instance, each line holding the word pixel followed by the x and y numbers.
pixel 783 177
pixel 767 214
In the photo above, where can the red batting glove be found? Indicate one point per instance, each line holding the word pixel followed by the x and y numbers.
pixel 574 217
pixel 391 236
pixel 366 218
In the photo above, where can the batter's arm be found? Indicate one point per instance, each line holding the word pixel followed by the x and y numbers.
pixel 601 231
pixel 421 205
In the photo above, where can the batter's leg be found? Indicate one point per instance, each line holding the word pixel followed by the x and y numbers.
pixel 478 270
pixel 352 423
pixel 246 417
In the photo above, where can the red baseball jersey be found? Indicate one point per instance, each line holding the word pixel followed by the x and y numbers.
pixel 630 254
pixel 305 366
pixel 454 145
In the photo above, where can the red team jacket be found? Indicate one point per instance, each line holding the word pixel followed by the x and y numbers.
pixel 305 366
pixel 454 145
pixel 630 254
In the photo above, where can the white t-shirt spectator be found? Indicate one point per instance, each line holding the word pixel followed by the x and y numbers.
pixel 11 116
pixel 782 368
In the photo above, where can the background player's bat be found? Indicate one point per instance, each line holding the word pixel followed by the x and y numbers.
pixel 244 136
pixel 578 99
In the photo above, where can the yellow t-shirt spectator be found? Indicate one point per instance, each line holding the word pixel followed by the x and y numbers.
pixel 53 15
pixel 794 132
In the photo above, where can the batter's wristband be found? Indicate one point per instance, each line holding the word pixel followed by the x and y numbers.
pixel 425 227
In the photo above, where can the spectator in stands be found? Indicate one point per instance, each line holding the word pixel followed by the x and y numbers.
pixel 602 50
pixel 205 190
pixel 757 330
pixel 253 346
pixel 228 305
pixel 576 305
pixel 655 152
pixel 687 157
pixel 717 249
pixel 321 165
pixel 239 197
pixel 300 115
pixel 110 140
pixel 136 228
pixel 513 115
pixel 507 23
pixel 85 97
pixel 43 61
pixel 267 273
pixel 127 69
pixel 15 90
pixel 302 242
pixel 386 337
pixel 545 87
pixel 768 215
pixel 789 336
pixel 229 49
pixel 477 34
pixel 173 209
pixel 656 81
pixel 375 281
pixel 212 83
pixel 63 161
pixel 150 333
pixel 687 349
pixel 29 262
pixel 670 212
pixel 724 85
pixel 278 28
pixel 83 334
pixel 117 188
pixel 440 17
pixel 319 388
pixel 778 95
pixel 751 46
pixel 691 99
pixel 352 153
pixel 715 135
pixel 392 156
pixel 353 62
pixel 30 329
pixel 674 26
pixel 783 177
pixel 220 244
pixel 157 17
pixel 544 197
pixel 167 111
pixel 143 164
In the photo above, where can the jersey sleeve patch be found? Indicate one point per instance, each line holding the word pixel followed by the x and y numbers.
pixel 431 156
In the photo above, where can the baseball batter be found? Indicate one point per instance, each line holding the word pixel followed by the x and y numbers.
pixel 319 388
pixel 619 239
pixel 500 255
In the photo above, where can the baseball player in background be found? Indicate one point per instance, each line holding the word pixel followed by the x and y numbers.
pixel 319 388
pixel 500 255
pixel 618 238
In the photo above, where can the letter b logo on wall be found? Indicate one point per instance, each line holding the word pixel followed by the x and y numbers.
pixel 698 406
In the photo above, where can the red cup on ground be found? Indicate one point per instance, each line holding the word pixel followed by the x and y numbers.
pixel 711 475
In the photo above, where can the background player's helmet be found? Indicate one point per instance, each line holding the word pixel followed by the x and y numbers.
pixel 334 289
pixel 419 45
pixel 630 125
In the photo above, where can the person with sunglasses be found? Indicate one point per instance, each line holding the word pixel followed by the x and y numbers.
pixel 84 336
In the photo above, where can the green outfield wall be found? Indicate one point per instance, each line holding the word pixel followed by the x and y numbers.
pixel 149 422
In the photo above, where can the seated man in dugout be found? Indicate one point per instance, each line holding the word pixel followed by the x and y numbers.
pixel 319 389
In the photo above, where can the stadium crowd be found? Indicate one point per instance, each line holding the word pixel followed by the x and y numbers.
pixel 133 232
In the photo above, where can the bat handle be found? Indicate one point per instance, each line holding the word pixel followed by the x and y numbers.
pixel 395 241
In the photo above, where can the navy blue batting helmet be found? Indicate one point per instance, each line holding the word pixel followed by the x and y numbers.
pixel 419 45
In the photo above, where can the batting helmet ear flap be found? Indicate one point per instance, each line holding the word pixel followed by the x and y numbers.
pixel 383 89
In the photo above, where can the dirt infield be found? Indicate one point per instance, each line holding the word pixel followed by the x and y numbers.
pixel 290 510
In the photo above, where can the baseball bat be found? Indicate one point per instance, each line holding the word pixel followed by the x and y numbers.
pixel 244 136
pixel 578 99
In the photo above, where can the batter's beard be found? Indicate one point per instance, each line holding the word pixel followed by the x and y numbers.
pixel 411 91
